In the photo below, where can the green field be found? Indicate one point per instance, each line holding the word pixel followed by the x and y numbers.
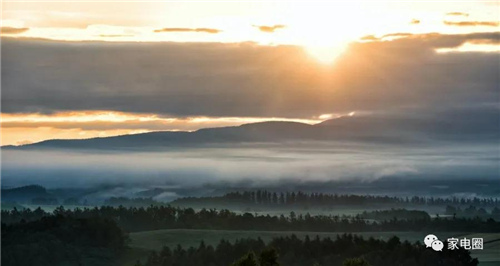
pixel 155 240
pixel 490 255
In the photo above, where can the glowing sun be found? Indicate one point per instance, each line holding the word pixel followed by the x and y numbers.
pixel 325 54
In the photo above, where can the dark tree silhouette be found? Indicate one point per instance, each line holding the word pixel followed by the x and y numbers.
pixel 356 262
pixel 269 257
pixel 247 260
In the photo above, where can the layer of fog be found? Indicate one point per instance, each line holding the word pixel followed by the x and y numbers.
pixel 257 165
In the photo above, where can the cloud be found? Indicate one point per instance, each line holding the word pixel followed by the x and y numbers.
pixel 115 35
pixel 448 103
pixel 436 40
pixel 397 34
pixel 457 14
pixel 113 120
pixel 231 80
pixel 269 29
pixel 205 30
pixel 452 41
pixel 23 142
pixel 486 41
pixel 415 21
pixel 369 38
pixel 82 125
pixel 12 30
pixel 472 23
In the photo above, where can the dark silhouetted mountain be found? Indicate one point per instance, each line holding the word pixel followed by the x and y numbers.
pixel 371 128
pixel 247 133
pixel 24 194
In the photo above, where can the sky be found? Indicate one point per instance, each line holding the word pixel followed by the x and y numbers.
pixel 91 69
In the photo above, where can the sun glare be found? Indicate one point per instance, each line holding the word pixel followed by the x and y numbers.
pixel 325 35
pixel 324 54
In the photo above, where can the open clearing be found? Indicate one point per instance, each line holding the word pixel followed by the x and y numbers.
pixel 490 255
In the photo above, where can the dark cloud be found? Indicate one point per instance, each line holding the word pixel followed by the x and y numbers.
pixel 457 14
pixel 448 103
pixel 205 30
pixel 471 23
pixel 452 41
pixel 11 30
pixel 436 40
pixel 485 41
pixel 194 79
pixel 415 21
pixel 269 29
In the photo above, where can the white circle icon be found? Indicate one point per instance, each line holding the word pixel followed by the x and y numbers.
pixel 429 239
pixel 437 245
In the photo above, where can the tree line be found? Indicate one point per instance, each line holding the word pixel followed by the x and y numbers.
pixel 167 217
pixel 62 240
pixel 472 211
pixel 269 198
pixel 392 213
pixel 291 251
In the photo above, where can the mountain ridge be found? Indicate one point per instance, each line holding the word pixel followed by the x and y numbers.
pixel 373 129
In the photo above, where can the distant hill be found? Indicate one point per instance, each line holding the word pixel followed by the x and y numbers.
pixel 24 194
pixel 376 129
pixel 247 133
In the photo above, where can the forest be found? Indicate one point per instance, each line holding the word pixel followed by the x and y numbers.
pixel 472 211
pixel 291 251
pixel 62 240
pixel 134 219
pixel 301 199
pixel 65 240
pixel 100 235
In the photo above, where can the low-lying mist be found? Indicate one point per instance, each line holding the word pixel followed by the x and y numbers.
pixel 256 165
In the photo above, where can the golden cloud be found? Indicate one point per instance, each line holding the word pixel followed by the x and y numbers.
pixel 205 30
pixel 457 14
pixel 471 23
pixel 269 29
pixel 12 30
pixel 33 127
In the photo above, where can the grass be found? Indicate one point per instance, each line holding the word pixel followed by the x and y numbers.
pixel 490 255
